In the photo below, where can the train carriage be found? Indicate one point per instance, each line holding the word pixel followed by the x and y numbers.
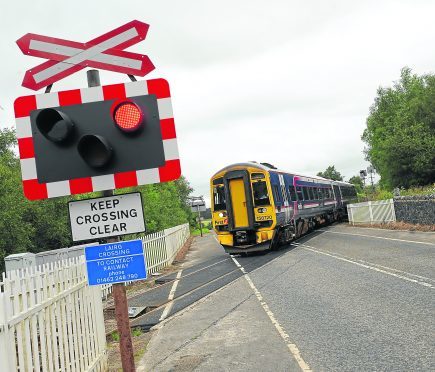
pixel 256 207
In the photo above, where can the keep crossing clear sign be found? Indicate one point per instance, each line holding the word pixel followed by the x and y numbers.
pixel 116 262
pixel 104 217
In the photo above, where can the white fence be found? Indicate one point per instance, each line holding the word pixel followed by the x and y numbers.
pixel 380 211
pixel 51 320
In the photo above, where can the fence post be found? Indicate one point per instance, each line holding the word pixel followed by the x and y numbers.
pixel 349 213
pixel 101 333
pixel 4 336
pixel 371 213
pixel 393 211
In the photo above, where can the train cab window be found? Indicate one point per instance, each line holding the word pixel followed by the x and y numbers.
pixel 261 196
pixel 219 201
pixel 299 193
pixel 292 192
pixel 257 176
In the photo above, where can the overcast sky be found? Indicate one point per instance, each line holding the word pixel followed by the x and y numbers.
pixel 284 82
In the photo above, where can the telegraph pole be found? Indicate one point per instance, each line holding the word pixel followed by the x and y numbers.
pixel 371 170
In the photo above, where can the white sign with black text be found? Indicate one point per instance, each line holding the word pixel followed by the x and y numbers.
pixel 108 216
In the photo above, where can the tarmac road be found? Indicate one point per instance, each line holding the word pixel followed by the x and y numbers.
pixel 341 299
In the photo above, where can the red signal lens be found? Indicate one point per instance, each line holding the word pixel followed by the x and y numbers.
pixel 128 116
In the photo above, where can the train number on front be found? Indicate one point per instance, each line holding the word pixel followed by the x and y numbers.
pixel 263 218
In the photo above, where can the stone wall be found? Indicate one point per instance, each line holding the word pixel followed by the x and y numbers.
pixel 415 209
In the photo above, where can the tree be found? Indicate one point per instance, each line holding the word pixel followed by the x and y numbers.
pixel 358 183
pixel 400 133
pixel 331 173
pixel 15 232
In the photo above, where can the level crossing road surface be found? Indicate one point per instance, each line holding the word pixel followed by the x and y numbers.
pixel 340 299
pixel 206 269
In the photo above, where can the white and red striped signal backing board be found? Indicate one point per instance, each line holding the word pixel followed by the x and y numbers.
pixel 35 190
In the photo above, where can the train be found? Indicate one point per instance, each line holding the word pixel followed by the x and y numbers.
pixel 257 207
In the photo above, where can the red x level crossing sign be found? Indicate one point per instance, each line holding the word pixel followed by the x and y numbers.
pixel 66 57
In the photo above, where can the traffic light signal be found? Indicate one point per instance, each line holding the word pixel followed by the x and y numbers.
pixel 97 138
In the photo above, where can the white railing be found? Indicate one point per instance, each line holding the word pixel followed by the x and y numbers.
pixel 51 320
pixel 380 211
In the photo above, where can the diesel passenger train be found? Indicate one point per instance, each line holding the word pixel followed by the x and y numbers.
pixel 256 207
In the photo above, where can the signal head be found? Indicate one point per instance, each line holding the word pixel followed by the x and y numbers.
pixel 127 115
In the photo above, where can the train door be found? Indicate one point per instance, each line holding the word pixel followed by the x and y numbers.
pixel 337 195
pixel 239 201
pixel 285 198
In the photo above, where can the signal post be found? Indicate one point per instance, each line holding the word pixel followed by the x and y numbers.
pixel 98 138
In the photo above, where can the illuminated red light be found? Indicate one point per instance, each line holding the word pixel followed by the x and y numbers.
pixel 128 116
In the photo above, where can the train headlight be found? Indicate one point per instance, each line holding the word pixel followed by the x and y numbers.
pixel 221 215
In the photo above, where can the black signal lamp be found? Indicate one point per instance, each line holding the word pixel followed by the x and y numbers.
pixel 94 150
pixel 54 125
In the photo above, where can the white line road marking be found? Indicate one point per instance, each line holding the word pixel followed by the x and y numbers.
pixel 171 296
pixel 377 237
pixel 292 347
pixel 371 266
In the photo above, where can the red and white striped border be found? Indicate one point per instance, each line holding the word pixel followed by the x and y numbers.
pixel 34 190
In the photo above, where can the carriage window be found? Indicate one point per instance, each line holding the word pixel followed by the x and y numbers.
pixel 277 194
pixel 310 193
pixel 292 192
pixel 305 192
pixel 320 191
pixel 354 194
pixel 316 194
pixel 261 197
pixel 299 192
pixel 219 201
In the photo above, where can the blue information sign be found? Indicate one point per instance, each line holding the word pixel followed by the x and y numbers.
pixel 116 262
